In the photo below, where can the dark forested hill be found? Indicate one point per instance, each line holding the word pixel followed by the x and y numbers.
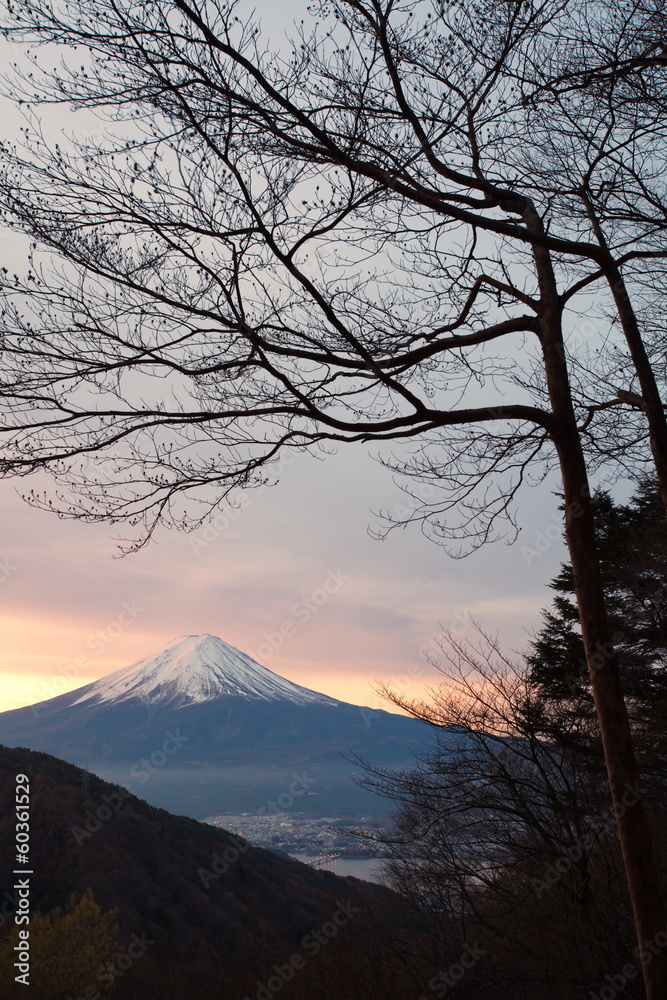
pixel 209 905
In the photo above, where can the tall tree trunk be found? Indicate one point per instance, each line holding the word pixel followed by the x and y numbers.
pixel 655 413
pixel 642 873
pixel 632 821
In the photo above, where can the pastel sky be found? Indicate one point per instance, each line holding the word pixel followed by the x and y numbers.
pixel 64 596
pixel 64 599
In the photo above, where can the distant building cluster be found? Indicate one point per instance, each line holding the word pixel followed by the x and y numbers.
pixel 299 833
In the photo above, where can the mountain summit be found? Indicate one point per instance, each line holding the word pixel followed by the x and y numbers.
pixel 201 728
pixel 193 669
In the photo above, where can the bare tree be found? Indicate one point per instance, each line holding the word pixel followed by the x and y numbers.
pixel 503 832
pixel 595 89
pixel 272 251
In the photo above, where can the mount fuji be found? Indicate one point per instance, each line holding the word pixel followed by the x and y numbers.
pixel 194 669
pixel 202 728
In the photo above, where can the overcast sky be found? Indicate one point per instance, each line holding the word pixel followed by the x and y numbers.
pixel 64 596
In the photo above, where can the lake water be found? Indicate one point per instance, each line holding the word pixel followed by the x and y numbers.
pixel 365 868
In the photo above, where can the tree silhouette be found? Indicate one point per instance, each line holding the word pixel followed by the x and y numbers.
pixel 337 243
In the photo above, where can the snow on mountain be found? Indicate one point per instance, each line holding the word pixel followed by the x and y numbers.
pixel 197 668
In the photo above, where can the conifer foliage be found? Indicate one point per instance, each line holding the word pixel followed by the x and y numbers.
pixel 632 542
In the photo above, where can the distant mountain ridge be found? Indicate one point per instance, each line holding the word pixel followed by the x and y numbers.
pixel 201 728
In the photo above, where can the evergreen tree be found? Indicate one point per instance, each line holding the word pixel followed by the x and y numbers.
pixel 632 541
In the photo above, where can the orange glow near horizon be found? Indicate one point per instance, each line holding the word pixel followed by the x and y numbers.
pixel 295 581
pixel 60 657
pixel 57 657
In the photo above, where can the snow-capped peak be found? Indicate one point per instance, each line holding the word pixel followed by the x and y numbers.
pixel 197 668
